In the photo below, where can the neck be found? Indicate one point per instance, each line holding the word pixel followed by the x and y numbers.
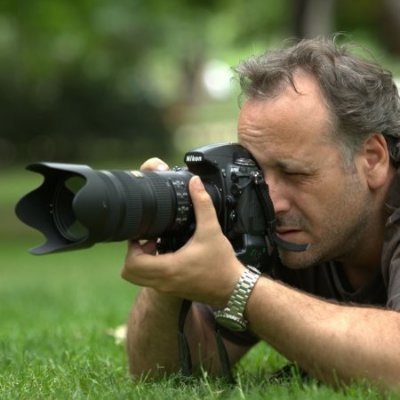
pixel 364 261
pixel 359 276
pixel 362 264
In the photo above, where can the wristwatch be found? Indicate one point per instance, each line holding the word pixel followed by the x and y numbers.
pixel 231 316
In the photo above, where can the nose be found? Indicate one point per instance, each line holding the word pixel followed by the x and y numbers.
pixel 279 195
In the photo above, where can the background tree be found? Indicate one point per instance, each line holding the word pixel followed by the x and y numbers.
pixel 88 80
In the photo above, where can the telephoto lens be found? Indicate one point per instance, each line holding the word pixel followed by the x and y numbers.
pixel 77 206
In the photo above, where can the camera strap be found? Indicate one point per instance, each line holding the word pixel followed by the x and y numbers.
pixel 185 358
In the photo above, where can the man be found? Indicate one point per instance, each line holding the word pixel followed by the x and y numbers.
pixel 324 126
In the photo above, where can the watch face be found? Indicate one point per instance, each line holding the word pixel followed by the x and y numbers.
pixel 230 322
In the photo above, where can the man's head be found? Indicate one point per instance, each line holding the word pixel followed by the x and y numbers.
pixel 328 169
pixel 360 94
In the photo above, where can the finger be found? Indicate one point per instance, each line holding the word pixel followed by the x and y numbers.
pixel 142 247
pixel 136 261
pixel 206 216
pixel 154 164
pixel 135 248
pixel 144 269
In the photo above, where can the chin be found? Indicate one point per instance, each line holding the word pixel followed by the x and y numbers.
pixel 299 260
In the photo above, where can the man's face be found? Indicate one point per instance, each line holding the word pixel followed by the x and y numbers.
pixel 318 198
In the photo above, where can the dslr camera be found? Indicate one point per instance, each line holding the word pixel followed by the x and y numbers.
pixel 77 206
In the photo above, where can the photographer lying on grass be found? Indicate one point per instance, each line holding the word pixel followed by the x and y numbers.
pixel 324 126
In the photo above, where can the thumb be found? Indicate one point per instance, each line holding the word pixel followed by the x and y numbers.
pixel 206 215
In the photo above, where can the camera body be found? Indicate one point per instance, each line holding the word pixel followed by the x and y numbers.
pixel 76 206
pixel 229 172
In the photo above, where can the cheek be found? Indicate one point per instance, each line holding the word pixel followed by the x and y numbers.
pixel 319 205
pixel 333 204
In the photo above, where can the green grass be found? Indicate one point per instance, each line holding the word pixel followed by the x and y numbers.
pixel 56 311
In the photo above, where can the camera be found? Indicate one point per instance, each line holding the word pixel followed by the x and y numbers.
pixel 77 206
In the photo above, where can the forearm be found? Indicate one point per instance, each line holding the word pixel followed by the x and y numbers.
pixel 333 342
pixel 152 341
pixel 152 334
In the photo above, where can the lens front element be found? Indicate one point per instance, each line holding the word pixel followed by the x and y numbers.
pixel 62 210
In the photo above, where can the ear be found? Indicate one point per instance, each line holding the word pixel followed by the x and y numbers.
pixel 376 161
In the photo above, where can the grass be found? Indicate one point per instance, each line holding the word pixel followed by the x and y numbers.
pixel 56 311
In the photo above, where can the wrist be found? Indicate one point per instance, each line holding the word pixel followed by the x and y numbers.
pixel 232 316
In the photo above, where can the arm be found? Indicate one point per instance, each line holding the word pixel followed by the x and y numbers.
pixel 335 343
pixel 151 337
pixel 152 344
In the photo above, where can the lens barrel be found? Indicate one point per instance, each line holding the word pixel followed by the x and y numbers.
pixel 139 205
pixel 77 206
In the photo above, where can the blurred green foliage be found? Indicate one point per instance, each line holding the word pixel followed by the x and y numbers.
pixel 91 80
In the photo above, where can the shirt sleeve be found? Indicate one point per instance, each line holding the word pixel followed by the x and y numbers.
pixel 391 261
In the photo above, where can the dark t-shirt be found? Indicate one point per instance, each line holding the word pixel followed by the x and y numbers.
pixel 329 282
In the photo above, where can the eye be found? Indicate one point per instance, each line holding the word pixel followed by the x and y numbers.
pixel 297 176
pixel 294 173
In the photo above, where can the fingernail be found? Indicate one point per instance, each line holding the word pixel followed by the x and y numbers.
pixel 197 183
pixel 162 167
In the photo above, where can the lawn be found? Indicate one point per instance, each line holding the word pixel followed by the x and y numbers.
pixel 56 315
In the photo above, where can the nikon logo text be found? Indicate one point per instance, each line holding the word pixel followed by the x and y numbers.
pixel 193 158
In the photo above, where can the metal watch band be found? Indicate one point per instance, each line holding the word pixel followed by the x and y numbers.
pixel 232 315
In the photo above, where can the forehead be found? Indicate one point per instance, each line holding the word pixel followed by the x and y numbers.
pixel 292 123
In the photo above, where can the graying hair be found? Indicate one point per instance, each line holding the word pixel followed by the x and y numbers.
pixel 360 94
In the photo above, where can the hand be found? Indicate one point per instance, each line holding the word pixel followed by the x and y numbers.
pixel 205 269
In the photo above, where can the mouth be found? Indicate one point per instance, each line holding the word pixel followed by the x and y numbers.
pixel 288 234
